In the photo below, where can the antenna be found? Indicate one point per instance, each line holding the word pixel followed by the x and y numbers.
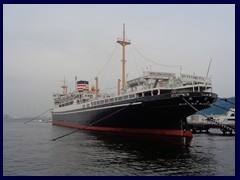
pixel 208 72
pixel 209 67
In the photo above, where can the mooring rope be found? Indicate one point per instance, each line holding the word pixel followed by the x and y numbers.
pixel 64 135
pixel 112 114
pixel 38 116
pixel 194 107
pixel 97 121
pixel 208 118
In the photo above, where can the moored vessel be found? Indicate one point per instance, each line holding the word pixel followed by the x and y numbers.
pixel 153 103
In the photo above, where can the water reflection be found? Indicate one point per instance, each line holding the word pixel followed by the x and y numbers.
pixel 28 151
pixel 129 154
pixel 145 146
pixel 143 154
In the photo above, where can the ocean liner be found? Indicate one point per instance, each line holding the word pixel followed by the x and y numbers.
pixel 155 103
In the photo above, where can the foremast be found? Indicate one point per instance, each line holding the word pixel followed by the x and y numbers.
pixel 64 86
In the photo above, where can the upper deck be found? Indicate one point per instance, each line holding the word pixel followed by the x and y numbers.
pixel 149 84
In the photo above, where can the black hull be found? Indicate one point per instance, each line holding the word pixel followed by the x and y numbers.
pixel 159 114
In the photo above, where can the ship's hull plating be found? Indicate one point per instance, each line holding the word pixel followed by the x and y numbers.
pixel 160 114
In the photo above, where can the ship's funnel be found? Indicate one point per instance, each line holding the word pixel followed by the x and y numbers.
pixel 82 86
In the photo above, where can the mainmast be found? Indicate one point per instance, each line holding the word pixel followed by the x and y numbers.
pixel 124 43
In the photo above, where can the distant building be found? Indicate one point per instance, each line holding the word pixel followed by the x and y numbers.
pixel 7 116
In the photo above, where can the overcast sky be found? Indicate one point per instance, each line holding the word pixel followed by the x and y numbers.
pixel 42 44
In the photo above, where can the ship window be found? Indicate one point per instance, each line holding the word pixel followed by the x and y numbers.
pixel 119 98
pixel 91 103
pixel 111 100
pixel 102 101
pixel 165 91
pixel 98 102
pixel 232 115
pixel 131 95
pixel 83 106
pixel 88 105
pixel 116 99
pixel 125 97
pixel 106 101
pixel 95 103
pixel 148 93
pixel 155 92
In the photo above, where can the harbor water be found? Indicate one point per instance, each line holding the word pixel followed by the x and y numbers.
pixel 28 150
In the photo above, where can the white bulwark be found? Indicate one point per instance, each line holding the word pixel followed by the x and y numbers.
pixel 163 75
pixel 194 78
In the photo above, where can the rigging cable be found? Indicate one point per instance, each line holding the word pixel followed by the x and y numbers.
pixel 176 66
pixel 111 75
pixel 135 61
pixel 105 63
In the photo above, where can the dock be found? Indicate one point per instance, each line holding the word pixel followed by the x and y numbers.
pixel 202 124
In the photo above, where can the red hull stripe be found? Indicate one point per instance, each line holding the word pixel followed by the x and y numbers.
pixel 82 86
pixel 186 133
